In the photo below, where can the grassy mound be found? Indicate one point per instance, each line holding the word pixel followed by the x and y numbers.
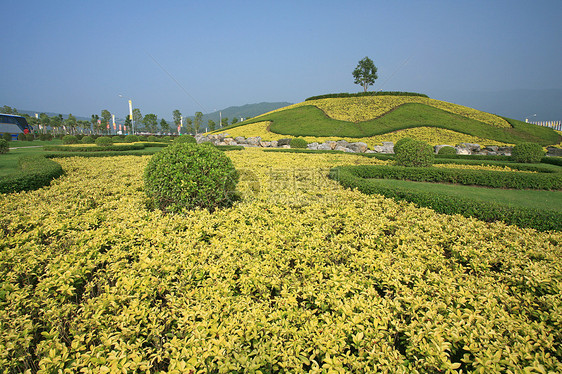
pixel 371 116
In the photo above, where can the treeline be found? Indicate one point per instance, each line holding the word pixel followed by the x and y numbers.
pixel 102 124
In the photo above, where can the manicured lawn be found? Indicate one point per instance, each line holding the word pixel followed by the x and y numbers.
pixel 9 161
pixel 543 200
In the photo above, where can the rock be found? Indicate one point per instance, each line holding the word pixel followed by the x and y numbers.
pixel 325 147
pixel 342 143
pixel 341 148
pixel 471 146
pixel 462 150
pixel 282 142
pixel 358 147
pixel 286 146
pixel 240 140
pixel 491 148
pixel 265 144
pixel 505 151
pixel 274 143
pixel 313 146
pixel 386 147
pixel 229 141
pixel 331 143
pixel 370 151
pixel 254 141
pixel 554 152
pixel 202 139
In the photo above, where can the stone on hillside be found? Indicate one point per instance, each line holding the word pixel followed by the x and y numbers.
pixel 331 143
pixel 463 150
pixel 553 151
pixel 506 151
pixel 471 146
pixel 265 144
pixel 325 147
pixel 286 146
pixel 228 141
pixel 342 143
pixel 254 140
pixel 240 140
pixel 202 139
pixel 274 143
pixel 312 146
pixel 386 147
pixel 282 142
pixel 358 147
pixel 341 148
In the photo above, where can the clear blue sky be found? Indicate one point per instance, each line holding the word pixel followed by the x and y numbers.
pixel 78 56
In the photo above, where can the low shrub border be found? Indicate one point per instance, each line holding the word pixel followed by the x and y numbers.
pixel 486 178
pixel 540 220
pixel 118 147
pixel 369 93
pixel 35 171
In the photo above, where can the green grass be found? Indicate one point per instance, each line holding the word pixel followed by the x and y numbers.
pixel 9 161
pixel 310 121
pixel 535 199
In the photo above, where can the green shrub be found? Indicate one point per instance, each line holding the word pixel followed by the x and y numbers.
pixel 35 171
pixel 29 137
pixel 527 152
pixel 185 139
pixel 7 137
pixel 298 143
pixel 411 152
pixel 168 139
pixel 45 137
pixel 368 93
pixel 142 138
pixel 117 139
pixel 88 140
pixel 4 147
pixel 448 151
pixel 21 136
pixel 152 138
pixel 104 141
pixel 187 176
pixel 69 139
pixel 131 138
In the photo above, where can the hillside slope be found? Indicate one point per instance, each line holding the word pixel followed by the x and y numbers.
pixel 365 117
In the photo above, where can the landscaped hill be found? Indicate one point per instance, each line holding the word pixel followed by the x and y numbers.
pixel 389 117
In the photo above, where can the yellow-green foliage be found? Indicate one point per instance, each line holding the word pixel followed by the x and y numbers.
pixel 358 109
pixel 300 276
pixel 430 135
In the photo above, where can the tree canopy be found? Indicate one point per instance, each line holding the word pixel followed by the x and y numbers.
pixel 365 73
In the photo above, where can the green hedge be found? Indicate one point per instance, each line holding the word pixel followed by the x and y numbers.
pixel 370 93
pixel 351 177
pixel 120 147
pixel 35 171
pixel 487 178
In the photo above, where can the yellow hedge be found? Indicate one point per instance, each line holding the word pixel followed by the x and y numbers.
pixel 300 276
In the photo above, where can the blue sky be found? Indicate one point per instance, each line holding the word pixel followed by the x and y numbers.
pixel 78 56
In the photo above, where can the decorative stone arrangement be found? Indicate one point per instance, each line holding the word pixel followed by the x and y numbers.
pixel 344 146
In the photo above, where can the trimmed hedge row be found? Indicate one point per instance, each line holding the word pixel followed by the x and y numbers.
pixel 370 93
pixel 486 211
pixel 36 171
pixel 120 147
pixel 487 178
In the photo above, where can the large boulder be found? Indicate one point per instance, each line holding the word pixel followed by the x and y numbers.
pixel 274 143
pixel 312 146
pixel 473 147
pixel 553 151
pixel 331 143
pixel 463 150
pixel 254 141
pixel 342 143
pixel 437 148
pixel 324 147
pixel 386 147
pixel 282 142
pixel 358 147
pixel 240 140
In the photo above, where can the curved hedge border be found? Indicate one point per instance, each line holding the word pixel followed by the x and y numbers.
pixel 370 93
pixel 348 176
pixel 487 178
pixel 36 171
pixel 120 147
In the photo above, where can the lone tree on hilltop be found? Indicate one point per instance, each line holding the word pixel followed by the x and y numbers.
pixel 365 73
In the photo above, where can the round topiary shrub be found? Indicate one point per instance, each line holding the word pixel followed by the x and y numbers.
pixel 104 141
pixel 411 152
pixel 29 137
pixel 4 147
pixel 188 176
pixel 527 152
pixel 117 139
pixel 185 139
pixel 7 137
pixel 21 136
pixel 88 140
pixel 167 139
pixel 143 138
pixel 298 143
pixel 448 150
pixel 45 137
pixel 152 139
pixel 131 138
pixel 69 139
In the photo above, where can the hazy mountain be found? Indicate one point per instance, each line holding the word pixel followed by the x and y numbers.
pixel 517 104
pixel 244 111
